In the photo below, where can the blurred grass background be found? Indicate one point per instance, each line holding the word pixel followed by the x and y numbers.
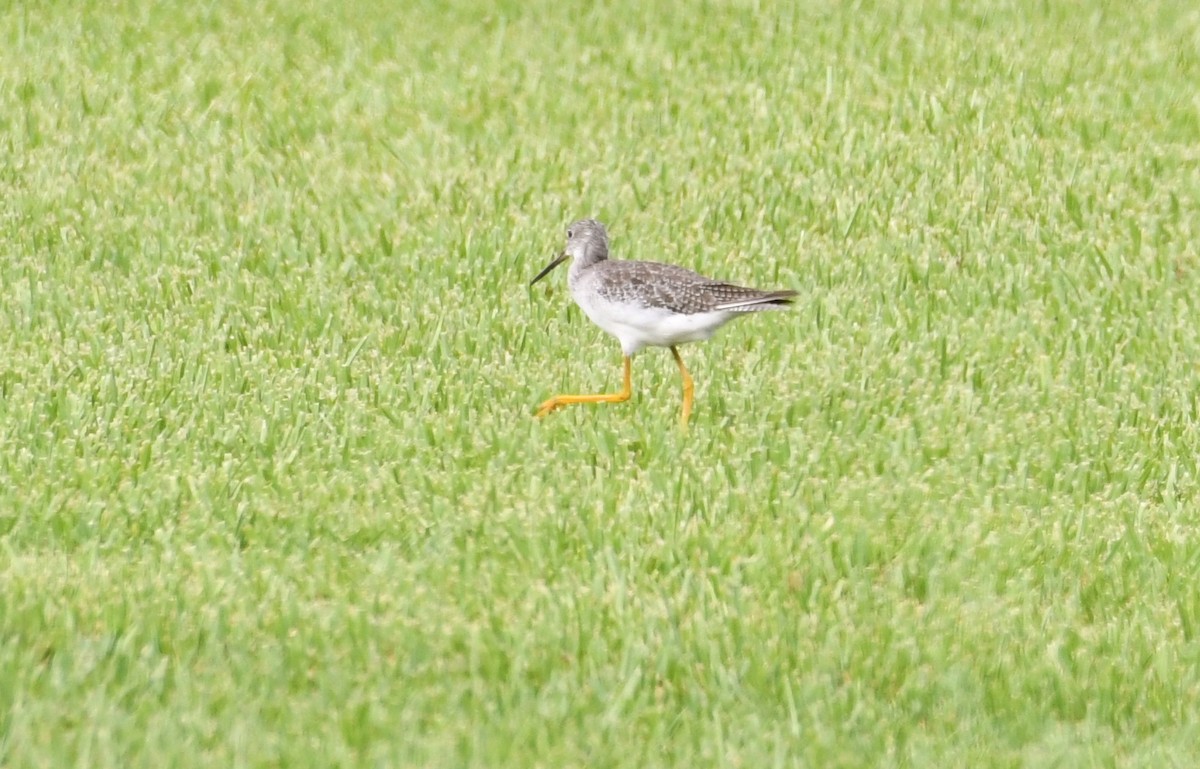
pixel 271 492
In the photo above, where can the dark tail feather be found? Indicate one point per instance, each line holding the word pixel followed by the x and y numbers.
pixel 767 300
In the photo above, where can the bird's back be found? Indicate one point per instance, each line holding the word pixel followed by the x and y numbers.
pixel 672 288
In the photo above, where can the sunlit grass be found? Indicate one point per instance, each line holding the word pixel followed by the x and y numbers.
pixel 271 492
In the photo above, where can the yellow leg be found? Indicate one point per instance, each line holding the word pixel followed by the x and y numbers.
pixel 687 389
pixel 558 401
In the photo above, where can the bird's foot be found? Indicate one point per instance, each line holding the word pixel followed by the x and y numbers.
pixel 549 406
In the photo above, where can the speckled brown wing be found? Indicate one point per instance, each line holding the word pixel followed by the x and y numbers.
pixel 680 290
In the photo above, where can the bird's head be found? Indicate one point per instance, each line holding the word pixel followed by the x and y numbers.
pixel 587 243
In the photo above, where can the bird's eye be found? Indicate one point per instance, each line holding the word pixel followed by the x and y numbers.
pixel 570 234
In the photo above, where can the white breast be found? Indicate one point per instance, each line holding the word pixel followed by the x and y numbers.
pixel 637 326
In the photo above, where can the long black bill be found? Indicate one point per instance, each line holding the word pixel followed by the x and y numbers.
pixel 557 261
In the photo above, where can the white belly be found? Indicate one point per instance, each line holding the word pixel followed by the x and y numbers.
pixel 637 326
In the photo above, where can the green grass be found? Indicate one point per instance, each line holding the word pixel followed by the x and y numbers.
pixel 271 492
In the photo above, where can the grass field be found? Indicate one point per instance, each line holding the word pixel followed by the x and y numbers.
pixel 271 492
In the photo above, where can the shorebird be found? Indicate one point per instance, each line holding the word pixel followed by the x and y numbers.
pixel 648 304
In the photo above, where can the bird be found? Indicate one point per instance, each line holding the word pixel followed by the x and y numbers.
pixel 648 304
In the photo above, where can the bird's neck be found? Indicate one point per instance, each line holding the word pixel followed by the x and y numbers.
pixel 584 263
